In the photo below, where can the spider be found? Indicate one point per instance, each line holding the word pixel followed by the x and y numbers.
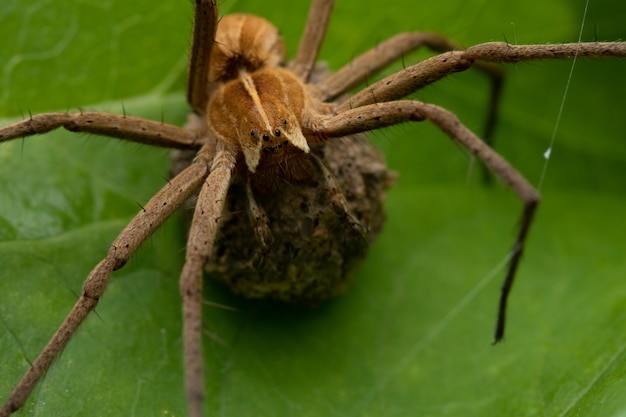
pixel 247 159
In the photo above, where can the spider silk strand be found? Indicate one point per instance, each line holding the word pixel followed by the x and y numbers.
pixel 548 152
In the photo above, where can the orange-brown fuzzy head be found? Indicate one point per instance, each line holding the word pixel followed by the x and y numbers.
pixel 259 114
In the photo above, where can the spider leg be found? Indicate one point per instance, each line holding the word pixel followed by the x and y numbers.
pixel 258 219
pixel 107 124
pixel 408 80
pixel 379 115
pixel 415 77
pixel 204 227
pixel 502 52
pixel 204 26
pixel 150 218
pixel 336 198
pixel 312 38
pixel 373 61
pixel 368 64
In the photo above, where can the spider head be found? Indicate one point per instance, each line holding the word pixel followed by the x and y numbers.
pixel 273 132
pixel 260 115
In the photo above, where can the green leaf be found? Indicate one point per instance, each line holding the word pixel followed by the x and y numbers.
pixel 412 336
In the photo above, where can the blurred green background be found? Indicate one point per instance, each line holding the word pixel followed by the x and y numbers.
pixel 412 336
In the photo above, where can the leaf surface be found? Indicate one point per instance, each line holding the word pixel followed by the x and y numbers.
pixel 412 336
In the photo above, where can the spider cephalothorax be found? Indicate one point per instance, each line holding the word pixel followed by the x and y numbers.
pixel 280 142
pixel 260 114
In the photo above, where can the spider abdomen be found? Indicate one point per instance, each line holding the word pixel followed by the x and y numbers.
pixel 244 42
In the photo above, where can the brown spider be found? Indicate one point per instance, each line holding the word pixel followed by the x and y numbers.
pixel 260 140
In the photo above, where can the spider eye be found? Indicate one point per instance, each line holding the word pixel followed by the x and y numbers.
pixel 283 122
pixel 266 137
pixel 277 133
pixel 253 133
